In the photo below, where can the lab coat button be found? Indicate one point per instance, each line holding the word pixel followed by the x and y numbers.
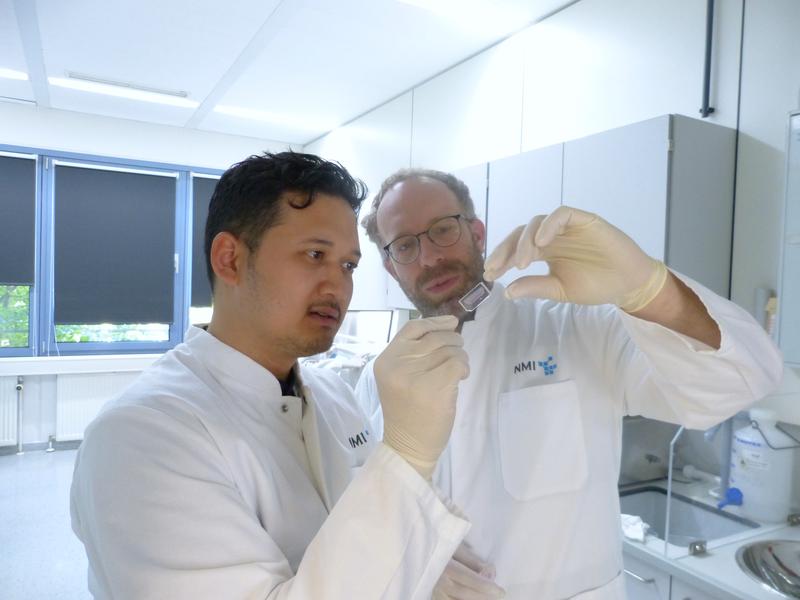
pixel 284 408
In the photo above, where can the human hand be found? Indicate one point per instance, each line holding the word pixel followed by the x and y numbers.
pixel 417 376
pixel 467 577
pixel 590 262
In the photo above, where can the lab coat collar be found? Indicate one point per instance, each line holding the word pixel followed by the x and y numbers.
pixel 230 365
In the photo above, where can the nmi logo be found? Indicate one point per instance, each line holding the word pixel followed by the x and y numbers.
pixel 548 366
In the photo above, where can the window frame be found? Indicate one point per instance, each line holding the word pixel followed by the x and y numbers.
pixel 30 349
pixel 41 325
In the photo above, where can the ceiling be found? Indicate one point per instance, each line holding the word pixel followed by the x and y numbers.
pixel 285 70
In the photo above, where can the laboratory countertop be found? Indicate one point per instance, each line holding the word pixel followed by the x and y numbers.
pixel 716 572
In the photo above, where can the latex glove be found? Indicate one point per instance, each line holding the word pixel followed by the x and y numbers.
pixel 467 577
pixel 417 376
pixel 590 261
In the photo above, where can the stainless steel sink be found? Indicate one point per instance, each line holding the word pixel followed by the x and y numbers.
pixel 775 564
pixel 690 520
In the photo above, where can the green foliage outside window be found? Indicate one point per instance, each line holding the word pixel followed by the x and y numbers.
pixel 14 315
pixel 108 332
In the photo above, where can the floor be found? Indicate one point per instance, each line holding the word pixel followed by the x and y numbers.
pixel 42 558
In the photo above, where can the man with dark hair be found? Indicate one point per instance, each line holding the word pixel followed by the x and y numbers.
pixel 556 361
pixel 226 470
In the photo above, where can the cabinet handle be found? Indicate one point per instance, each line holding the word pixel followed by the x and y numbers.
pixel 638 577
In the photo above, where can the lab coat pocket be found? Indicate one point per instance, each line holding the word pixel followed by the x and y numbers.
pixel 542 448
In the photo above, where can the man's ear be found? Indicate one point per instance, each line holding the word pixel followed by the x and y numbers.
pixel 478 233
pixel 227 257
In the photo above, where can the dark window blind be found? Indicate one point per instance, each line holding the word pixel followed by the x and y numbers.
pixel 114 246
pixel 17 220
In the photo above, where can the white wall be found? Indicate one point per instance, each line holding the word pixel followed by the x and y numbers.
pixel 598 65
pixel 472 113
pixel 770 89
pixel 51 129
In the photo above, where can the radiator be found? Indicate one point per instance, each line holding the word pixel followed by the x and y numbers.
pixel 8 411
pixel 80 397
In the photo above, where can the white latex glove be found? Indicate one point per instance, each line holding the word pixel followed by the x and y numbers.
pixel 467 577
pixel 590 261
pixel 417 376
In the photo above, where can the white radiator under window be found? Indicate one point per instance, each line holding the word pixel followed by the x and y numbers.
pixel 8 411
pixel 80 397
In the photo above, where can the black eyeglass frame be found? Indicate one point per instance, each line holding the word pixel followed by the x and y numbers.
pixel 458 218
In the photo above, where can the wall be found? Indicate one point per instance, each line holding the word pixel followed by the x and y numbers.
pixel 598 65
pixel 770 90
pixel 51 129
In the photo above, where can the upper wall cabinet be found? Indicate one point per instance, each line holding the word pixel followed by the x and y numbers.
pixel 668 183
pixel 789 290
pixel 521 187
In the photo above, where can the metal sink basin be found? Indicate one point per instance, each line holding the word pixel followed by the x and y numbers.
pixel 689 520
pixel 775 564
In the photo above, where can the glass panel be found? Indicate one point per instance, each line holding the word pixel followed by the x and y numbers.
pixel 110 332
pixel 200 315
pixel 14 316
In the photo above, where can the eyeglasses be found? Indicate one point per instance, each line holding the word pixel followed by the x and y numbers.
pixel 444 232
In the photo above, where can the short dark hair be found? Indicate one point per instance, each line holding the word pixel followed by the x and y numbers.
pixel 453 183
pixel 247 199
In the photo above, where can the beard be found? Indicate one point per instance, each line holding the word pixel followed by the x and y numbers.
pixel 471 272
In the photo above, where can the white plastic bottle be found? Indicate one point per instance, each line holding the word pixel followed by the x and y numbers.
pixel 764 475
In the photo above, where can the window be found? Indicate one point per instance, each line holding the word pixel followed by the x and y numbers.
pixel 114 254
pixel 18 249
pixel 99 255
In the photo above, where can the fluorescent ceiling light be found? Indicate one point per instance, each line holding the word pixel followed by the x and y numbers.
pixel 294 122
pixel 12 74
pixel 121 91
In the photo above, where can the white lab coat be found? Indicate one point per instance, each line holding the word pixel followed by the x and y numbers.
pixel 534 456
pixel 203 481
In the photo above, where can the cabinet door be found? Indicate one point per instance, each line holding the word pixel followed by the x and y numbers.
pixel 789 304
pixel 684 591
pixel 643 582
pixel 521 187
pixel 622 175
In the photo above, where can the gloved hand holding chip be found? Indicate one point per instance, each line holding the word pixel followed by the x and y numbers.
pixel 590 262
pixel 417 377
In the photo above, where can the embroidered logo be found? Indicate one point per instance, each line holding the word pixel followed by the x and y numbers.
pixel 548 366
pixel 358 440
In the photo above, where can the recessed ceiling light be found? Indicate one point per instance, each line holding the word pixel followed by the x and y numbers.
pixel 121 90
pixel 13 74
pixel 278 119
